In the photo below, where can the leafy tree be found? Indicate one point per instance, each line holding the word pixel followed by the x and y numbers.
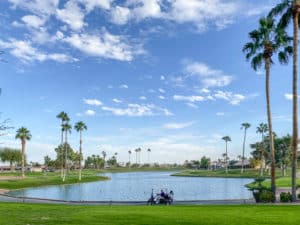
pixel 13 156
pixel 24 135
pixel 289 10
pixel 205 162
pixel 265 41
pixel 112 161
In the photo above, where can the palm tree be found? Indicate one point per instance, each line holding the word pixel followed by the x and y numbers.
pixel 79 127
pixel 66 127
pixel 289 10
pixel 245 126
pixel 24 135
pixel 104 156
pixel 129 153
pixel 136 155
pixel 226 139
pixel 265 41
pixel 64 118
pixel 149 150
pixel 262 129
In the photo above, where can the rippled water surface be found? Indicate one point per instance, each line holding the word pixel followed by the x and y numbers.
pixel 137 186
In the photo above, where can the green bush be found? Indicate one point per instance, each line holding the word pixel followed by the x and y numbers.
pixel 266 196
pixel 286 197
pixel 299 196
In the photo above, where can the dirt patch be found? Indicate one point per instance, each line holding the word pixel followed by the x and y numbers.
pixel 3 191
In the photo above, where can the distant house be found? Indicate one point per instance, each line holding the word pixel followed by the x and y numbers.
pixel 238 164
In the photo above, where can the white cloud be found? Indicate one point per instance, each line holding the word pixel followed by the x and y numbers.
pixel 136 110
pixel 117 100
pixel 162 78
pixel 43 8
pixel 94 102
pixel 161 97
pixel 142 9
pixel 33 21
pixel 177 126
pixel 288 96
pixel 72 15
pixel 209 77
pixel 161 90
pixel 24 51
pixel 205 90
pixel 120 15
pixel 92 4
pixel 192 105
pixel 192 98
pixel 123 86
pixel 90 112
pixel 220 113
pixel 233 99
pixel 142 98
pixel 104 45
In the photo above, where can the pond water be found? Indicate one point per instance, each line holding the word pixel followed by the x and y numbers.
pixel 137 186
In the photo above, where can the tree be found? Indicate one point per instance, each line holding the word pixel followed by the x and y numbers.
pixel 80 127
pixel 64 119
pixel 226 139
pixel 245 126
pixel 13 156
pixel 149 150
pixel 289 10
pixel 104 156
pixel 66 127
pixel 262 129
pixel 24 135
pixel 204 162
pixel 265 41
pixel 129 153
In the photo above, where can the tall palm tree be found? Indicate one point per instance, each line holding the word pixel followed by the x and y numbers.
pixel 289 10
pixel 64 118
pixel 226 139
pixel 66 127
pixel 104 156
pixel 245 126
pixel 24 135
pixel 265 41
pixel 149 150
pixel 129 153
pixel 262 129
pixel 80 127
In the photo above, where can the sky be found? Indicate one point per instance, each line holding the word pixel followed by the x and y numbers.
pixel 168 75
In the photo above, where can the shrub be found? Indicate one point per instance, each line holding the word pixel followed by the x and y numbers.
pixel 299 196
pixel 266 196
pixel 285 197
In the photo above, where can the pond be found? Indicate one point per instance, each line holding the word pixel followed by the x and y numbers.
pixel 137 186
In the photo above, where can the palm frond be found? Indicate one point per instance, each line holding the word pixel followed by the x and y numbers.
pixel 283 57
pixel 286 19
pixel 279 8
pixel 257 61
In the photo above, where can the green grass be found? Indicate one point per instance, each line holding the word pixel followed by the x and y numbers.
pixel 280 182
pixel 44 179
pixel 41 214
pixel 233 173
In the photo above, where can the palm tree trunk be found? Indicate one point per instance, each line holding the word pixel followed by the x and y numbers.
pixel 295 99
pixel 269 115
pixel 66 157
pixel 23 157
pixel 243 156
pixel 226 164
pixel 62 159
pixel 80 155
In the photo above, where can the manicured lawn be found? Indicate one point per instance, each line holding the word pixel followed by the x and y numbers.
pixel 20 214
pixel 280 182
pixel 234 173
pixel 44 179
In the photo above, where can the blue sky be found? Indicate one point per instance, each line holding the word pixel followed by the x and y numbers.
pixel 162 74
